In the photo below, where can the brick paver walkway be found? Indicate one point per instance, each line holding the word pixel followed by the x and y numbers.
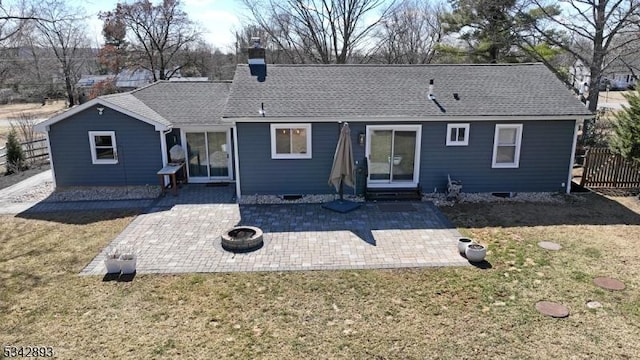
pixel 182 234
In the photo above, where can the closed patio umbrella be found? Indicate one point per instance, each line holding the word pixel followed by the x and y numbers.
pixel 342 172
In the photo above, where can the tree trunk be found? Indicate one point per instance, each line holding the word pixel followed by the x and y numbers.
pixel 594 86
pixel 69 87
pixel 493 54
pixel 598 54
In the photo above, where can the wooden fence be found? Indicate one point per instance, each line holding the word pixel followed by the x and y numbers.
pixel 604 169
pixel 34 151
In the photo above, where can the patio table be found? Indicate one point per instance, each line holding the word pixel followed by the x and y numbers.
pixel 171 170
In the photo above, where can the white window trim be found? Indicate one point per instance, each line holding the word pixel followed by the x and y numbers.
pixel 92 143
pixel 464 142
pixel 516 163
pixel 276 127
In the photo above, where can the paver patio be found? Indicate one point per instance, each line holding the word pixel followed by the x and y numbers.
pixel 178 236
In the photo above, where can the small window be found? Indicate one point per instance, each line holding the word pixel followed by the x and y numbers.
pixel 291 141
pixel 457 134
pixel 103 147
pixel 506 146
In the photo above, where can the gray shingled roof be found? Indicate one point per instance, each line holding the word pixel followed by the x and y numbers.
pixel 186 103
pixel 131 103
pixel 369 91
pixel 176 103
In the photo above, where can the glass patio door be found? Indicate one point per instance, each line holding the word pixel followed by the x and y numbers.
pixel 208 155
pixel 393 155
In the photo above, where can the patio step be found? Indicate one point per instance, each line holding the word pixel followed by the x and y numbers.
pixel 393 194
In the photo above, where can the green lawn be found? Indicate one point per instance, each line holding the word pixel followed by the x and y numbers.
pixel 380 314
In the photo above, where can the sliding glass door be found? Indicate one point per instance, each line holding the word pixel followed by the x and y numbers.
pixel 208 155
pixel 393 155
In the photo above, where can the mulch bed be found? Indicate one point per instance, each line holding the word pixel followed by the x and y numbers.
pixel 8 180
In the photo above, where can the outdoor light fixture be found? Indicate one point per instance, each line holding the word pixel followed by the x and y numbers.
pixel 261 111
pixel 100 110
pixel 361 138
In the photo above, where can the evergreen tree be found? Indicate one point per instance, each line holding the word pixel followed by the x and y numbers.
pixel 15 156
pixel 626 133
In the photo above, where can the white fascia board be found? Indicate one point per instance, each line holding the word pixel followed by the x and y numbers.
pixel 44 126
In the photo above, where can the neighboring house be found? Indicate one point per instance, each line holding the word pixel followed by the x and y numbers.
pixel 619 75
pixel 88 81
pixel 127 79
pixel 497 128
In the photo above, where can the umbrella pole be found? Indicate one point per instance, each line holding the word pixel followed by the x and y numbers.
pixel 341 187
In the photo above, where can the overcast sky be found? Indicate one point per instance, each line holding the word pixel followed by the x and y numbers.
pixel 219 18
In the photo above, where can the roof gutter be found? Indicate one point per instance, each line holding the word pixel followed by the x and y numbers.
pixel 466 118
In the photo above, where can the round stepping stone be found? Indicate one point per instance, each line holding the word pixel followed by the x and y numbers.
pixel 552 309
pixel 594 305
pixel 609 283
pixel 548 245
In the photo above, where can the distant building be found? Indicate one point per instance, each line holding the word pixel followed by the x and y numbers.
pixel 126 80
pixel 619 75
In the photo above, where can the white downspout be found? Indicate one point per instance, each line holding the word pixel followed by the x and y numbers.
pixel 573 155
pixel 53 171
pixel 236 161
pixel 163 148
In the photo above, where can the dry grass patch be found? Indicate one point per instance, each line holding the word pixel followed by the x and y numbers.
pixel 37 110
pixel 383 314
pixel 11 112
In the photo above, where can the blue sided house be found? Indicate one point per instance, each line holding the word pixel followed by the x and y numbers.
pixel 497 128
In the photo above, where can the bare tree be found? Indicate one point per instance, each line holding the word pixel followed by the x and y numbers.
pixel 66 37
pixel 15 15
pixel 319 31
pixel 23 126
pixel 275 53
pixel 12 19
pixel 597 32
pixel 157 34
pixel 410 33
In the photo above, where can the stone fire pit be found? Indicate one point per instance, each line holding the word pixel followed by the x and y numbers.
pixel 242 239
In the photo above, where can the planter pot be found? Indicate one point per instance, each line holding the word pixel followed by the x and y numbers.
pixel 112 266
pixel 476 252
pixel 127 264
pixel 463 243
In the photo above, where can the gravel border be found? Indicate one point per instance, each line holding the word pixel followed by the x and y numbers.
pixel 46 192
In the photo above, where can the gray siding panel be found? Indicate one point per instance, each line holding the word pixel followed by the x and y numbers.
pixel 259 174
pixel 544 159
pixel 139 153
